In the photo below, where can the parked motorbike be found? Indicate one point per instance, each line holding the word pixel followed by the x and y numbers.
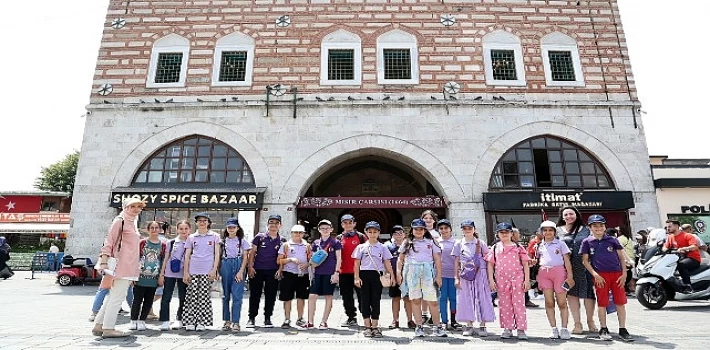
pixel 659 282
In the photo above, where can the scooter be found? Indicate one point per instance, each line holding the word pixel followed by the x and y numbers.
pixel 658 282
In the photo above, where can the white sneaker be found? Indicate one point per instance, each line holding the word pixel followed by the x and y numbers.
pixel 564 334
pixel 468 331
pixel 200 328
pixel 141 325
pixel 165 326
pixel 419 331
pixel 522 335
pixel 177 325
pixel 482 332
pixel 507 334
pixel 189 328
pixel 555 333
pixel 133 325
pixel 92 317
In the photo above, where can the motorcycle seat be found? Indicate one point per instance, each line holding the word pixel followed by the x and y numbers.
pixel 703 266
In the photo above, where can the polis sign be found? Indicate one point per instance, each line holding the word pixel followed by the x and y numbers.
pixel 234 200
pixel 695 209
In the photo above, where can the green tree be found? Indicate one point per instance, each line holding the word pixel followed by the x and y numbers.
pixel 60 175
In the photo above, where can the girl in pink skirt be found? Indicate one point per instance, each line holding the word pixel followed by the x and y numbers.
pixel 473 295
pixel 510 263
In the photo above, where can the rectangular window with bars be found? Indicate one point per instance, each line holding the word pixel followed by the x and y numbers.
pixel 233 66
pixel 341 64
pixel 503 64
pixel 561 66
pixel 168 68
pixel 397 64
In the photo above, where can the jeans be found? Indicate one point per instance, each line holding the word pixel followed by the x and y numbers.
pixel 232 290
pixel 109 310
pixel 685 265
pixel 101 294
pixel 169 288
pixel 347 285
pixel 142 302
pixel 263 280
pixel 447 295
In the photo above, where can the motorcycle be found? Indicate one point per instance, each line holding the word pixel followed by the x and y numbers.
pixel 658 282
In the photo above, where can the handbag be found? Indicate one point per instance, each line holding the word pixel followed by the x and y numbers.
pixel 470 269
pixel 176 264
pixel 112 261
pixel 320 255
pixel 385 278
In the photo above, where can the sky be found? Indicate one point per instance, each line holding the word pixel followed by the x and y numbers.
pixel 47 65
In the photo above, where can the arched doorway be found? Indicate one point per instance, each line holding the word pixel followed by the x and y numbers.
pixel 371 188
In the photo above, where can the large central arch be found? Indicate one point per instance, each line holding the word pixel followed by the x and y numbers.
pixel 436 172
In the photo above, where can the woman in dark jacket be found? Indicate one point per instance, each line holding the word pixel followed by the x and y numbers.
pixel 5 271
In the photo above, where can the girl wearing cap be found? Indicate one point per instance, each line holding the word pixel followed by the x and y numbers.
pixel 473 293
pixel 395 292
pixel 430 217
pixel 554 277
pixel 122 243
pixel 448 290
pixel 419 274
pixel 152 254
pixel 572 231
pixel 232 270
pixel 371 260
pixel 294 256
pixel 509 261
pixel 201 265
pixel 171 276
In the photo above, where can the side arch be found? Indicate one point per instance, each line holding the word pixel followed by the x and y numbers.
pixel 315 165
pixel 127 169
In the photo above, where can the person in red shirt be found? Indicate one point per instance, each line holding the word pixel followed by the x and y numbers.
pixel 684 243
pixel 349 240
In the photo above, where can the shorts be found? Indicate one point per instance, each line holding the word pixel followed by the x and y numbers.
pixel 552 278
pixel 159 291
pixel 321 285
pixel 610 285
pixel 395 292
pixel 292 284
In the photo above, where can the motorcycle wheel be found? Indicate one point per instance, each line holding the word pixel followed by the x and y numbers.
pixel 64 280
pixel 651 297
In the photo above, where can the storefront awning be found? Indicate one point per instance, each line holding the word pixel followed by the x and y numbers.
pixel 181 197
pixel 34 228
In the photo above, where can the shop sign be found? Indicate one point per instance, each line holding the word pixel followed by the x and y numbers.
pixel 371 202
pixel 694 209
pixel 620 200
pixel 230 200
pixel 34 217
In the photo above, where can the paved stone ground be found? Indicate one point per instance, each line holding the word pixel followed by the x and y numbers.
pixel 39 314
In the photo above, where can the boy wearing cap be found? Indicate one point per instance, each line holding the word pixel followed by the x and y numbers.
pixel 263 269
pixel 395 292
pixel 371 260
pixel 293 257
pixel 604 258
pixel 349 240
pixel 325 275
pixel 447 296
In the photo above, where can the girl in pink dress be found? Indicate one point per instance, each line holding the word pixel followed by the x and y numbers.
pixel 509 261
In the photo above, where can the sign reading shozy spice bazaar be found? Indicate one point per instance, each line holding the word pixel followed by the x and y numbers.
pixel 236 200
pixel 619 200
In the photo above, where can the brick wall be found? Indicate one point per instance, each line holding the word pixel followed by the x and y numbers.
pixel 291 55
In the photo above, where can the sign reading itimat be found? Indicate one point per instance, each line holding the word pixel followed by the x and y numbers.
pixel 234 200
pixel 372 202
pixel 618 200
pixel 34 217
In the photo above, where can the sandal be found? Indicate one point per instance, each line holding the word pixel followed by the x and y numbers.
pixel 227 326
pixel 97 332
pixel 235 327
pixel 577 329
pixel 592 328
pixel 112 333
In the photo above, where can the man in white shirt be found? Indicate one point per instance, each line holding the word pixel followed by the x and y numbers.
pixel 701 245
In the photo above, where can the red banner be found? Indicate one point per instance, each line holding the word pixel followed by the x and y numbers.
pixel 371 202
pixel 33 217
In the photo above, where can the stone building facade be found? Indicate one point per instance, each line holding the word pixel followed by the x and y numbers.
pixel 437 94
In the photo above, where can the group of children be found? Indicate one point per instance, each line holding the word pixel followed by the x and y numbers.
pixel 428 269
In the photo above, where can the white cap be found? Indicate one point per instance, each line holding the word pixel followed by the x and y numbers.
pixel 130 201
pixel 548 223
pixel 298 228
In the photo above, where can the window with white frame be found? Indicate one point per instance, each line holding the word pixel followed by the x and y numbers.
pixel 341 59
pixel 168 62
pixel 233 60
pixel 503 57
pixel 560 57
pixel 397 58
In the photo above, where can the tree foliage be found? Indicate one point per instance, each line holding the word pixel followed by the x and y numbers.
pixel 60 175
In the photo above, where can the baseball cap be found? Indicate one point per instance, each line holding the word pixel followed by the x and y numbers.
pixel 203 215
pixel 276 217
pixel 232 222
pixel 133 200
pixel 596 219
pixel 326 222
pixel 397 228
pixel 443 222
pixel 418 223
pixel 372 224
pixel 468 223
pixel 298 228
pixel 347 217
pixel 504 226
pixel 548 223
